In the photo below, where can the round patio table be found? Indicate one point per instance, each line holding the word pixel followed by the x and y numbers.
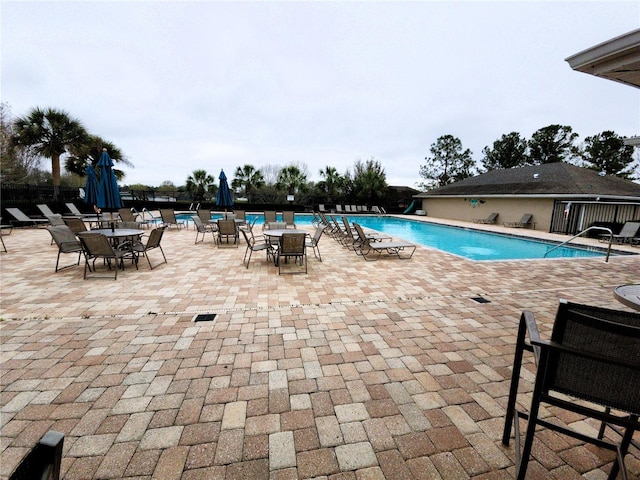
pixel 629 295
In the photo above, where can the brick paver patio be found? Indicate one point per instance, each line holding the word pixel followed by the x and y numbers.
pixel 358 370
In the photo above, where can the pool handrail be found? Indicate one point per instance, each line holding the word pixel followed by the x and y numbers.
pixel 605 229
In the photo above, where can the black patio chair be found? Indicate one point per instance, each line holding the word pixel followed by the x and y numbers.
pixel 227 229
pixel 592 361
pixel 313 242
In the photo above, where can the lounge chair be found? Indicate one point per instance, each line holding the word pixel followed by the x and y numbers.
pixel 590 362
pixel 46 211
pixel 524 222
pixel 254 244
pixel 393 247
pixel 227 229
pixel 204 228
pixel 369 235
pixel 339 209
pixel 169 218
pixel 626 235
pixel 22 219
pixel 96 246
pixel 289 218
pixel 74 211
pixel 66 242
pixel 292 245
pixel 321 208
pixel 153 242
pixel 312 242
pixel 490 220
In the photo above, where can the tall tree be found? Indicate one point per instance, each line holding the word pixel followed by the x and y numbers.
pixel 292 180
pixel 248 179
pixel 508 152
pixel 331 182
pixel 449 163
pixel 553 143
pixel 89 153
pixel 50 133
pixel 606 152
pixel 199 184
pixel 369 182
pixel 17 165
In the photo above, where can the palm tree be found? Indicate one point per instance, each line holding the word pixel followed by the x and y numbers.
pixel 89 153
pixel 198 183
pixel 248 179
pixel 291 180
pixel 50 133
pixel 331 181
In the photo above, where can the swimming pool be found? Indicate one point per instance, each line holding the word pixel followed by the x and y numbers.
pixel 465 242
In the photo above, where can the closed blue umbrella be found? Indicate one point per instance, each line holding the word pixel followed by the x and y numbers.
pixel 224 197
pixel 91 186
pixel 108 192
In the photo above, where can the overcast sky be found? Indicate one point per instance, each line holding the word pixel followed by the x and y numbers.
pixel 180 86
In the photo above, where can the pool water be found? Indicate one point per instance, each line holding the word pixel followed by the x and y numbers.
pixel 465 242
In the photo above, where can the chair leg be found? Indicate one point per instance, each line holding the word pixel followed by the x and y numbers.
pixel 515 380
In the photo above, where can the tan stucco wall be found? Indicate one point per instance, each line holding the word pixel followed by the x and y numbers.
pixel 510 209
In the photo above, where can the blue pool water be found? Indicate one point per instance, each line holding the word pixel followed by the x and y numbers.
pixel 468 243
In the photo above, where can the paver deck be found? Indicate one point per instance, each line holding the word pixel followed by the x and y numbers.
pixel 358 370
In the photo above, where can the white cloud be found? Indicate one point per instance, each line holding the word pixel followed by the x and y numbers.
pixel 180 86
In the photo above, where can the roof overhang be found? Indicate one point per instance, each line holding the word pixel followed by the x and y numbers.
pixel 617 59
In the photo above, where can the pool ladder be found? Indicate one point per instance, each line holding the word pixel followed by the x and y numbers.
pixel 604 229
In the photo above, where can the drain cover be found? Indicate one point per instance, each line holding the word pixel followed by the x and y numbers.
pixel 205 317
pixel 480 300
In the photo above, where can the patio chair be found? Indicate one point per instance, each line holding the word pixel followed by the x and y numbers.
pixel 127 215
pixel 524 222
pixel 276 225
pixel 4 228
pixel 269 217
pixel 292 245
pixel 205 215
pixel 289 218
pixel 66 242
pixel 591 361
pixel 203 228
pixel 76 225
pixel 43 461
pixel 22 219
pixel 153 242
pixel 169 218
pixel 339 209
pixel 227 229
pixel 240 214
pixel 312 242
pixel 490 220
pixel 321 208
pixel 255 244
pixel 96 246
pixel 628 232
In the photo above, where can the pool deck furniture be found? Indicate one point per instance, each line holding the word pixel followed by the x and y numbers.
pixel 628 234
pixel 628 295
pixel 525 222
pixel 22 218
pixel 490 220
pixel 590 362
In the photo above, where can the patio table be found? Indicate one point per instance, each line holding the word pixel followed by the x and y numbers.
pixel 629 295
